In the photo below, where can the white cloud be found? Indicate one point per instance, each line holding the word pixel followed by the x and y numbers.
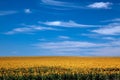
pixel 54 23
pixel 42 39
pixel 90 35
pixel 111 29
pixel 115 43
pixel 100 5
pixel 3 13
pixel 66 24
pixel 59 3
pixel 108 38
pixel 62 4
pixel 112 20
pixel 100 37
pixel 54 2
pixel 81 48
pixel 28 28
pixel 68 45
pixel 117 19
pixel 106 51
pixel 27 11
pixel 63 37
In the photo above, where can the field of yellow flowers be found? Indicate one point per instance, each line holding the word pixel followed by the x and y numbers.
pixel 59 68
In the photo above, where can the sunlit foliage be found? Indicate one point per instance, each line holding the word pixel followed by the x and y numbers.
pixel 59 68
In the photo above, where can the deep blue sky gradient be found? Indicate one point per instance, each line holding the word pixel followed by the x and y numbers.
pixel 24 43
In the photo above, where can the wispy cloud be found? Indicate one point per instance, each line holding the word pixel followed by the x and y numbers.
pixel 60 4
pixel 70 23
pixel 106 51
pixel 100 5
pixel 110 29
pixel 108 38
pixel 112 20
pixel 81 48
pixel 69 44
pixel 63 37
pixel 54 2
pixel 100 37
pixel 27 11
pixel 28 28
pixel 65 46
pixel 42 39
pixel 3 13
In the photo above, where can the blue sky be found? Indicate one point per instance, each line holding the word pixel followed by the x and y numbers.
pixel 59 28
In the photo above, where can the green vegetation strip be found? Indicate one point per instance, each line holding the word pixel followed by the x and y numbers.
pixel 59 73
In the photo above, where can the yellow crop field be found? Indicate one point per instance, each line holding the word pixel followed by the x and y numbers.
pixel 60 68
